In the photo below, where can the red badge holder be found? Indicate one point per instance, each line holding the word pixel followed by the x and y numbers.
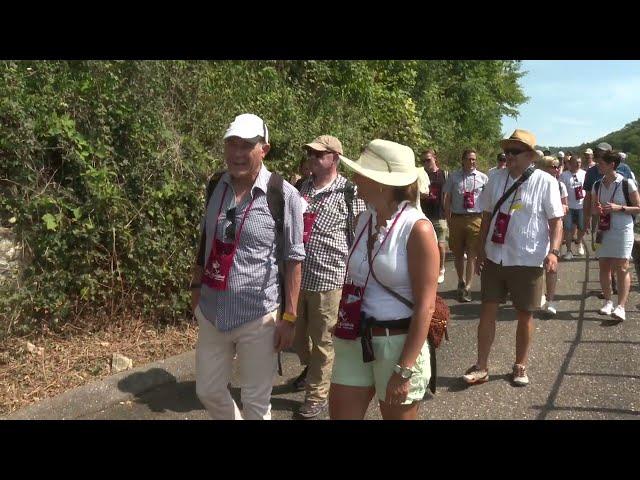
pixel 220 261
pixel 604 223
pixel 468 200
pixel 434 193
pixel 350 309
pixel 308 219
pixel 579 191
pixel 500 228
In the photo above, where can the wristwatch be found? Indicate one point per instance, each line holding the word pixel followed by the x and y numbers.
pixel 556 252
pixel 404 372
pixel 622 209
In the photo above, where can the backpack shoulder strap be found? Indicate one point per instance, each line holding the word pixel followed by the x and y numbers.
pixel 275 201
pixel 625 190
pixel 596 185
pixel 349 197
pixel 211 186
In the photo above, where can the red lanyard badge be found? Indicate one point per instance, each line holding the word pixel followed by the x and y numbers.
pixel 468 199
pixel 349 311
pixel 218 266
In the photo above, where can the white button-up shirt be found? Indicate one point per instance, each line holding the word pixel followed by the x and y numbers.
pixel 531 207
pixel 571 181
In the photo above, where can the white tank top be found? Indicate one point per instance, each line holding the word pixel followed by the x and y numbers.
pixel 390 265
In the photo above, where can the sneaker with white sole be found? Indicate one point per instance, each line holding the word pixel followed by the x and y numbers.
pixel 568 256
pixel 580 249
pixel 551 308
pixel 475 375
pixel 441 276
pixel 519 375
pixel 607 308
pixel 618 313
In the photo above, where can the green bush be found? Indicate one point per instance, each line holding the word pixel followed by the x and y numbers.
pixel 103 164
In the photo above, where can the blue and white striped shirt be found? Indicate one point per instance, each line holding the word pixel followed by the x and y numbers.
pixel 253 287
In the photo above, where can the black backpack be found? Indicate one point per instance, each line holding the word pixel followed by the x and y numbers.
pixel 625 191
pixel 349 192
pixel 275 201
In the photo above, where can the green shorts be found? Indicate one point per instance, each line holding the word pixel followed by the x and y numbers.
pixel 350 370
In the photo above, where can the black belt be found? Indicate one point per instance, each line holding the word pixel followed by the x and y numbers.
pixel 366 325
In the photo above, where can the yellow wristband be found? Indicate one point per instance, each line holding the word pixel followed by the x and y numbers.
pixel 289 317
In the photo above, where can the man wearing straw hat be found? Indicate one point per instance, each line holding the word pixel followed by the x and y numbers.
pixel 521 234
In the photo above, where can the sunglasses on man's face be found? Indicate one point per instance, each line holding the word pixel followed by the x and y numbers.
pixel 513 151
pixel 316 153
pixel 230 231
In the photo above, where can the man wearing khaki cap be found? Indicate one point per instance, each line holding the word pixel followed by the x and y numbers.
pixel 329 222
pixel 520 239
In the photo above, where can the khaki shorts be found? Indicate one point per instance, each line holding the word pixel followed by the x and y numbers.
pixel 523 283
pixel 464 233
pixel 442 230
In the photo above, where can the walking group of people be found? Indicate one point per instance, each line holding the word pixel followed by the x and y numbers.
pixel 346 272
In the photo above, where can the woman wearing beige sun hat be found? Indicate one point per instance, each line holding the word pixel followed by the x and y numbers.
pixel 391 358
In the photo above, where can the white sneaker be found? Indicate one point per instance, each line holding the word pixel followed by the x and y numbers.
pixel 465 255
pixel 607 309
pixel 568 256
pixel 441 276
pixel 619 313
pixel 580 249
pixel 551 309
pixel 543 300
pixel 519 375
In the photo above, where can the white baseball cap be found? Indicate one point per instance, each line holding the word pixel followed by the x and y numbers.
pixel 588 151
pixel 247 126
pixel 560 154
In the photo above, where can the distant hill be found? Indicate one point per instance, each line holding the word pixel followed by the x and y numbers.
pixel 627 139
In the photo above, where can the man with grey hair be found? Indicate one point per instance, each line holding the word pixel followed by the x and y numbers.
pixel 253 221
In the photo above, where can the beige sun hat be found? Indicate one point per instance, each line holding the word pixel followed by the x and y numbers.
pixel 391 164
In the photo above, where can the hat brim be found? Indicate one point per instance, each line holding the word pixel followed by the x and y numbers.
pixel 392 179
pixel 510 142
pixel 318 147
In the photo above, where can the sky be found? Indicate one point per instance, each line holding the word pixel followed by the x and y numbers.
pixel 576 101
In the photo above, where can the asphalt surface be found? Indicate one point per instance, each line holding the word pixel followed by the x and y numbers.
pixel 581 366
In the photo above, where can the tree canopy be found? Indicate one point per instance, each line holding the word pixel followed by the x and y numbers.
pixel 104 163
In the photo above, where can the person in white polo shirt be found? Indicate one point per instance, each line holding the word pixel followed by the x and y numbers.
pixel 520 236
pixel 573 179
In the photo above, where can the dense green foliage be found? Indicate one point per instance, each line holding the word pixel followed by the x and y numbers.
pixel 103 164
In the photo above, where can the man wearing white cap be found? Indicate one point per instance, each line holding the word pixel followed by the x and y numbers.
pixel 521 234
pixel 253 221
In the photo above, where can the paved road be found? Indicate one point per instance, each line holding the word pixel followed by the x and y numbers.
pixel 582 366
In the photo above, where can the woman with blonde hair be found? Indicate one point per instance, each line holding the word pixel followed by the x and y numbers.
pixel 381 343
